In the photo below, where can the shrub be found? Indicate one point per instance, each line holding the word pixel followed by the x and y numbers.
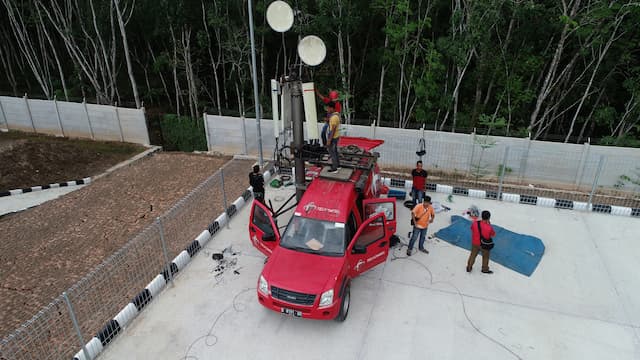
pixel 181 133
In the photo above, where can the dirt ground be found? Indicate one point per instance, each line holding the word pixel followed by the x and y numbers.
pixel 46 249
pixel 28 160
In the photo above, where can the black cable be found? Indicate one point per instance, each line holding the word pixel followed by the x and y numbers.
pixel 210 334
pixel 464 308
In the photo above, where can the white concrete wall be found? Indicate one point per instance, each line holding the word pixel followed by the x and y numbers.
pixel 100 122
pixel 532 161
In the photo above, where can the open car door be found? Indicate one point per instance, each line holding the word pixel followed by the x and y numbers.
pixel 382 205
pixel 369 247
pixel 263 230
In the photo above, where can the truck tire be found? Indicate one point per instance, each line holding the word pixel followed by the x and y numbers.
pixel 344 304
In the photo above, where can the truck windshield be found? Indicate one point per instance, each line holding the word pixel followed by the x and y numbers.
pixel 314 236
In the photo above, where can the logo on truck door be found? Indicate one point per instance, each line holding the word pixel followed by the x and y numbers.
pixel 362 262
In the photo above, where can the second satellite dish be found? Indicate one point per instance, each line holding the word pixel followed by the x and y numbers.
pixel 311 50
pixel 280 16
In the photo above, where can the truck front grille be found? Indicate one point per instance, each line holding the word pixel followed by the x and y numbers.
pixel 292 296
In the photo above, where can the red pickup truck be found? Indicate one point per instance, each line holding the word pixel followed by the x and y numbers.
pixel 340 228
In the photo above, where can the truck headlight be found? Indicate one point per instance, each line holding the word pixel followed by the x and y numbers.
pixel 263 285
pixel 326 298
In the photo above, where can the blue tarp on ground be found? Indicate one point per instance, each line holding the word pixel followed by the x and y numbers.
pixel 518 252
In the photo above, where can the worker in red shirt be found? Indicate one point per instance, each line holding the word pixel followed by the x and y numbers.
pixel 487 233
pixel 419 179
pixel 333 96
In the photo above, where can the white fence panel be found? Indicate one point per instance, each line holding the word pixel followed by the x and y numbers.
pixel 44 116
pixel 134 126
pixel 3 119
pixel 15 110
pixel 104 122
pixel 74 119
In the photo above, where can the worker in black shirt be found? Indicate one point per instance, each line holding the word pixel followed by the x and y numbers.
pixel 256 180
pixel 419 176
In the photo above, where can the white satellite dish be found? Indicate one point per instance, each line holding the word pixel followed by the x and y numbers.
pixel 311 50
pixel 280 16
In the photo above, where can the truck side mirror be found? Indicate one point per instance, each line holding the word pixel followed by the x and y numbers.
pixel 269 237
pixel 359 249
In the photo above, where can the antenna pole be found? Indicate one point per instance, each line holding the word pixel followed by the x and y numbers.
pixel 298 136
pixel 255 83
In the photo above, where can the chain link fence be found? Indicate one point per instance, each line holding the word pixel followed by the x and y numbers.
pixel 598 178
pixel 80 313
pixel 584 180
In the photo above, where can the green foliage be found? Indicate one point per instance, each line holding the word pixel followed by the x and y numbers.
pixel 492 122
pixel 626 180
pixel 181 133
pixel 624 141
pixel 480 169
pixel 508 46
pixel 507 170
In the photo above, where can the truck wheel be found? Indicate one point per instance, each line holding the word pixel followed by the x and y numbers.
pixel 344 305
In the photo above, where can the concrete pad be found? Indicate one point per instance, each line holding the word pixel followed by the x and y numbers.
pixel 14 203
pixel 582 302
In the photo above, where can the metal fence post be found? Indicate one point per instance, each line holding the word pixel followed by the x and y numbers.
pixel 206 130
pixel 473 151
pixel 525 160
pixel 502 171
pixel 55 105
pixel 26 101
pixel 86 111
pixel 76 326
pixel 244 136
pixel 4 116
pixel 583 164
pixel 119 123
pixel 164 250
pixel 595 181
pixel 224 197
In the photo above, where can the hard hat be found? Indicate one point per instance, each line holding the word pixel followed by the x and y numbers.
pixel 333 95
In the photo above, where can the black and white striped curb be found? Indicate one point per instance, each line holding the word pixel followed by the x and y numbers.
pixel 518 198
pixel 84 181
pixel 114 326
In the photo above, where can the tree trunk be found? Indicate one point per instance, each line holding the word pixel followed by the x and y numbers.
pixel 6 63
pixel 55 55
pixel 346 111
pixel 588 119
pixel 601 54
pixel 456 92
pixel 380 91
pixel 127 57
pixel 164 83
pixel 26 47
pixel 176 83
pixel 555 61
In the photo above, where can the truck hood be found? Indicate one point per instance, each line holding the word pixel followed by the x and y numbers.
pixel 301 272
